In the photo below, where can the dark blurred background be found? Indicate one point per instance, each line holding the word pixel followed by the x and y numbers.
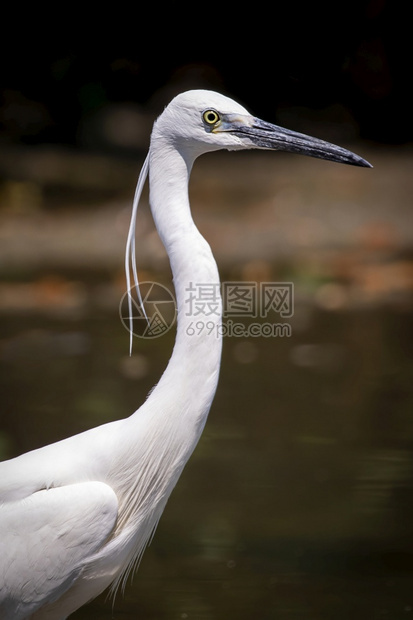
pixel 349 62
pixel 298 501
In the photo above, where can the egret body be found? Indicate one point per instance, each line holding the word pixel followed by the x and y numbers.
pixel 76 515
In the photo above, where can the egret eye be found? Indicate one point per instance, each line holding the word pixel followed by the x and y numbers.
pixel 211 117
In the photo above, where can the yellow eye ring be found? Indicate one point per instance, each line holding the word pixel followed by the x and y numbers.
pixel 211 117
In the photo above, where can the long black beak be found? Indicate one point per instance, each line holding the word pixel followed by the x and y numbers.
pixel 267 136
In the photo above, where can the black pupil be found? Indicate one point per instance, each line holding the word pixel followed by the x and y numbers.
pixel 211 117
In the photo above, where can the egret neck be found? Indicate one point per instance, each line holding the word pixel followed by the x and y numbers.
pixel 192 372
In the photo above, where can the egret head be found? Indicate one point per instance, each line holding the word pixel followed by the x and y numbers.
pixel 199 121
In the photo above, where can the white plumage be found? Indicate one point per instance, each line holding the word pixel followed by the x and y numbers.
pixel 76 515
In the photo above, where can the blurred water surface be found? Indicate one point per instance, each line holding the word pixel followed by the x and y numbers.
pixel 298 501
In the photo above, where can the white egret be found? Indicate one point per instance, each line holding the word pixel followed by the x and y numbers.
pixel 76 515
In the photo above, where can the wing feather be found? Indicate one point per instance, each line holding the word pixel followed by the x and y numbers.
pixel 46 540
